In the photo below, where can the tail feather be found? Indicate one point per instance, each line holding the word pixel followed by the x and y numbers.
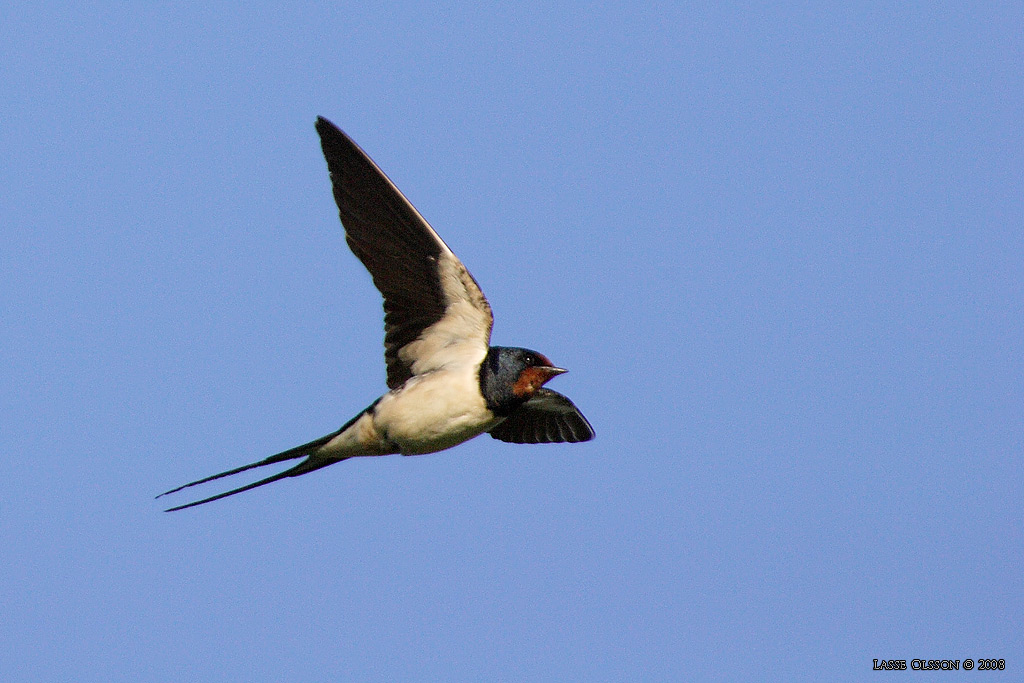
pixel 306 449
pixel 307 465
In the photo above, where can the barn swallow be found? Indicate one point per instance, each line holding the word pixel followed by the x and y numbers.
pixel 446 383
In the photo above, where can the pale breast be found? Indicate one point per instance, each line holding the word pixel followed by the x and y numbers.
pixel 434 411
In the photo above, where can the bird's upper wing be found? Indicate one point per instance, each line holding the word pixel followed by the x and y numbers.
pixel 547 417
pixel 434 311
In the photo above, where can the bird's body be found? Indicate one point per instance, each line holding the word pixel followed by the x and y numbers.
pixel 447 384
pixel 427 413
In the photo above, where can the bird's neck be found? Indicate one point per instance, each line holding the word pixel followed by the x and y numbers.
pixel 497 377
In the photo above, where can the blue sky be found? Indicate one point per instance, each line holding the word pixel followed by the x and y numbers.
pixel 779 249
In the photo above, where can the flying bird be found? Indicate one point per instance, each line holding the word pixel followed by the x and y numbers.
pixel 446 383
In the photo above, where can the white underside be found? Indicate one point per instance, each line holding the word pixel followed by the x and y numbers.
pixel 430 412
pixel 434 411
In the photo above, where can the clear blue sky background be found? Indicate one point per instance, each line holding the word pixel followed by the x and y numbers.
pixel 780 249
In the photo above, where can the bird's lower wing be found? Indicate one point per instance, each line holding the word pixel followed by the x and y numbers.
pixel 548 417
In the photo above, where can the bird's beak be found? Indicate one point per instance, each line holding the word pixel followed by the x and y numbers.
pixel 550 371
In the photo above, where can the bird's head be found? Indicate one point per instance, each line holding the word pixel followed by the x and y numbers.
pixel 509 376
